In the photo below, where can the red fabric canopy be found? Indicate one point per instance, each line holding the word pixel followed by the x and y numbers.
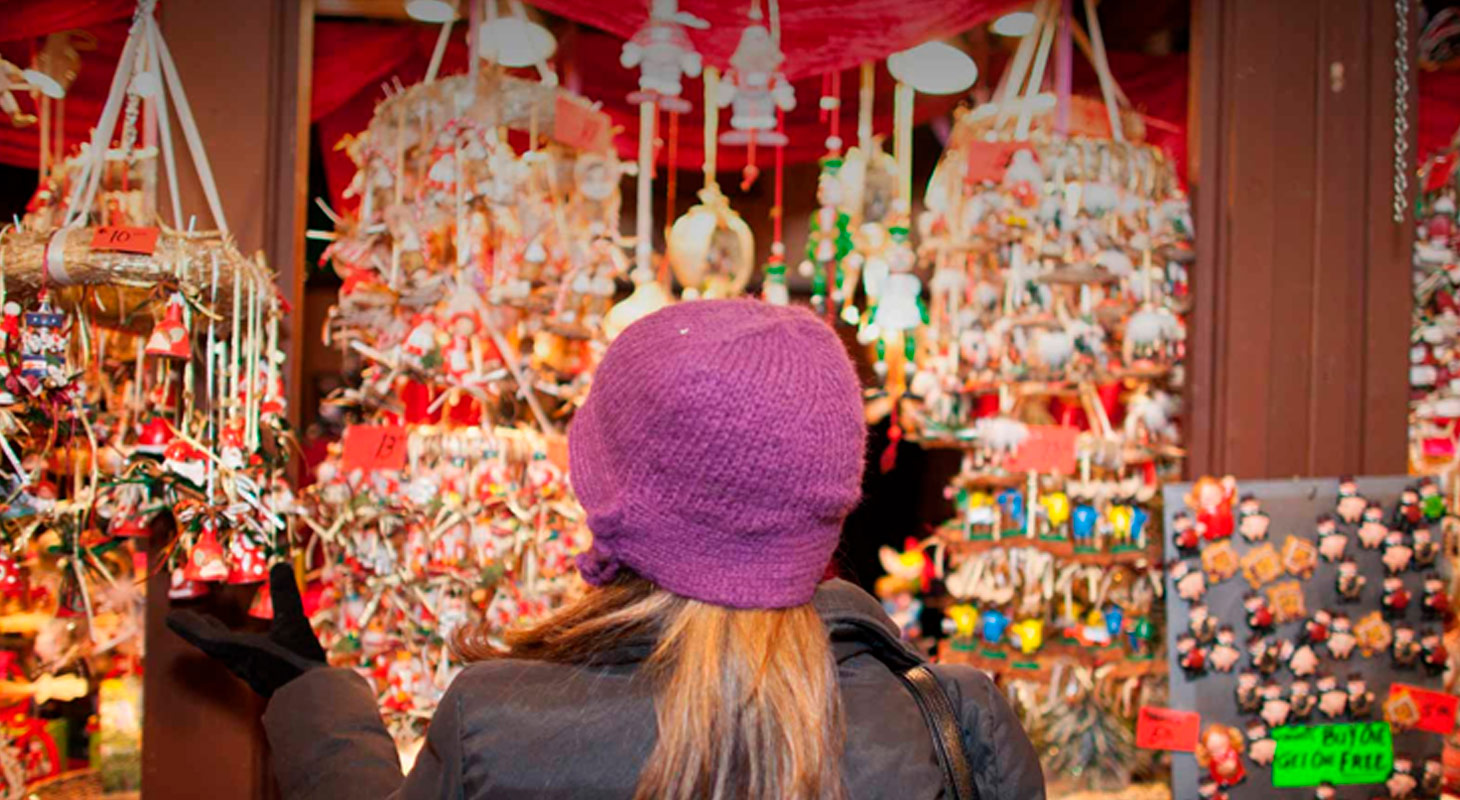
pixel 817 37
pixel 1439 112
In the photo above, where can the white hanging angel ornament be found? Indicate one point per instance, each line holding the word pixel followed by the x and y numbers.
pixel 664 55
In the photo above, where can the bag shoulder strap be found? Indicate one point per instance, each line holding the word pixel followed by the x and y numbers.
pixel 942 721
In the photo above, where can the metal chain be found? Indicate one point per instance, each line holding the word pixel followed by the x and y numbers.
pixel 1401 109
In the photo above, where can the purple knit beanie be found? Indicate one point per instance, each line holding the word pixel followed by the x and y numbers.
pixel 718 452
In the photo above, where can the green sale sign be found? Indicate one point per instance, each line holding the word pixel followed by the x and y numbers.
pixel 1336 754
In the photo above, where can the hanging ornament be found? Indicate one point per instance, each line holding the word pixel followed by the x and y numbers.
pixel 205 561
pixel 43 351
pixel 756 90
pixel 664 55
pixel 169 337
pixel 829 239
pixel 262 606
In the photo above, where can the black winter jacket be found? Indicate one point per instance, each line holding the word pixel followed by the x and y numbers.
pixel 525 729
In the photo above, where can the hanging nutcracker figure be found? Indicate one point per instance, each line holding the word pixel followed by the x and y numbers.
pixel 829 239
pixel 43 346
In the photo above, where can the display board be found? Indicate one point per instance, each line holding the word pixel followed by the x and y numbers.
pixel 1299 570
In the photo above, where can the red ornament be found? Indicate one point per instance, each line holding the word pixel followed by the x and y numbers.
pixel 170 336
pixel 205 559
pixel 263 604
pixel 247 562
pixel 155 436
pixel 182 588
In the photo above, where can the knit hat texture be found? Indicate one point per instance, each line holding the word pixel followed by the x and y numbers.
pixel 718 452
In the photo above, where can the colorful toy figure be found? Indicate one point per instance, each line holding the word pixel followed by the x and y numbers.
pixel 1397 554
pixel 1201 623
pixel 1349 583
pixel 1191 583
pixel 1184 535
pixel 1424 548
pixel 1139 517
pixel 1212 501
pixel 1436 604
pixel 1083 526
pixel 1191 657
pixel 1262 747
pixel 1301 698
pixel 169 337
pixel 1114 617
pixel 829 239
pixel 1433 653
pixel 1331 541
pixel 1433 779
pixel 1118 517
pixel 1407 513
pixel 1259 615
pixel 662 51
pixel 1225 654
pixel 1249 693
pixel 1315 628
pixel 1056 507
pixel 1332 698
pixel 1350 506
pixel 1027 635
pixel 1303 661
pixel 960 621
pixel 1011 506
pixel 1396 598
pixel 1139 632
pixel 1341 639
pixel 1401 783
pixel 1219 751
pixel 1252 521
pixel 1406 650
pixel 1373 530
pixel 993 623
pixel 1360 699
pixel 1275 707
pixel 1431 501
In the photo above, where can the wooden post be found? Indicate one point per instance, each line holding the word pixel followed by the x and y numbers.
pixel 1301 284
pixel 245 65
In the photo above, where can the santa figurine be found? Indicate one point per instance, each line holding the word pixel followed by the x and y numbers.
pixel 1331 541
pixel 1360 699
pixel 1302 699
pixel 1252 521
pixel 1396 598
pixel 1184 534
pixel 1436 600
pixel 1433 653
pixel 1350 506
pixel 1249 693
pixel 1407 512
pixel 1406 651
pixel 1424 548
pixel 1397 554
pixel 1193 659
pixel 1259 615
pixel 1341 639
pixel 1332 699
pixel 1373 530
pixel 1349 583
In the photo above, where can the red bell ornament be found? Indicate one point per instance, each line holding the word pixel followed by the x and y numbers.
pixel 170 336
pixel 181 588
pixel 205 559
pixel 263 604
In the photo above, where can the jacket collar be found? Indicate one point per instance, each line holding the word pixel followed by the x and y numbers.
pixel 857 623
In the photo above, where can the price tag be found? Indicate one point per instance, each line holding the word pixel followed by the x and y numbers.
pixel 1436 709
pixel 987 161
pixel 580 127
pixel 125 239
pixel 374 448
pixel 1049 448
pixel 1167 729
pixel 1343 755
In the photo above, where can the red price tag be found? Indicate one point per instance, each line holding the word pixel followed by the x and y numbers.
pixel 987 161
pixel 125 239
pixel 580 127
pixel 374 447
pixel 1436 709
pixel 1167 729
pixel 1049 448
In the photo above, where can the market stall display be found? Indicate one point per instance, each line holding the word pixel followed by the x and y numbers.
pixel 1434 364
pixel 1321 614
pixel 141 398
pixel 479 274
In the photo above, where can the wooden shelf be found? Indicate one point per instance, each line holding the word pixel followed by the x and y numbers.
pixel 1040 666
pixel 1061 549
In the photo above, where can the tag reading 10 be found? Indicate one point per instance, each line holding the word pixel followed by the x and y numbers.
pixel 125 239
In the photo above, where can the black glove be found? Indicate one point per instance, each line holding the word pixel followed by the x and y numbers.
pixel 264 661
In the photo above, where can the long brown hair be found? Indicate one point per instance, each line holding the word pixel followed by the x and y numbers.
pixel 746 700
